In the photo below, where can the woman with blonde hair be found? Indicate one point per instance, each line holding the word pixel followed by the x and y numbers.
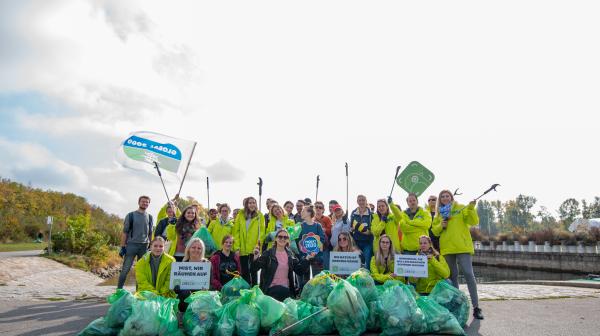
pixel 345 243
pixel 194 252
pixel 248 233
pixel 382 264
pixel 437 268
pixel 452 223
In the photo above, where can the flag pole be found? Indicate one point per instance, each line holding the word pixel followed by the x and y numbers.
pixel 161 180
pixel 186 169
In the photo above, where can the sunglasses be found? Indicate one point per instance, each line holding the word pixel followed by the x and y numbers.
pixel 283 237
pixel 342 239
pixel 432 200
pixel 319 207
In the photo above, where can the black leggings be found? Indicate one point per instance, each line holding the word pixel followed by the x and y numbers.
pixel 279 293
pixel 247 274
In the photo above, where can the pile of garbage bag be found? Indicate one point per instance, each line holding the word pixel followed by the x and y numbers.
pixel 452 299
pixel 328 304
pixel 209 243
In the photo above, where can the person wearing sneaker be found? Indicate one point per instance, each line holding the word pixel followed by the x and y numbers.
pixel 452 224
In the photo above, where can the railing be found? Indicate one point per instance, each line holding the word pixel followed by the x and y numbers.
pixel 532 247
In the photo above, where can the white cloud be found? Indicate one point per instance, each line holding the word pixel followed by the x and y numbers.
pixel 221 171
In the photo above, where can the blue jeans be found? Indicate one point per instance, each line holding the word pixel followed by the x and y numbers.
pixel 133 250
pixel 367 250
pixel 325 259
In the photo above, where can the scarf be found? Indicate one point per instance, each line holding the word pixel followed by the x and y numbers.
pixel 445 210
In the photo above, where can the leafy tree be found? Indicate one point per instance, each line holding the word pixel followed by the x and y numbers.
pixel 547 221
pixel 518 212
pixel 568 211
pixel 486 217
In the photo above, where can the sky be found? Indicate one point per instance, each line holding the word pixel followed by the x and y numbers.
pixel 478 92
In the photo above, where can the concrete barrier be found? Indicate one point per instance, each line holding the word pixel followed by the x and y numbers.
pixel 545 261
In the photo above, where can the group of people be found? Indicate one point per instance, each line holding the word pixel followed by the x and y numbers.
pixel 251 241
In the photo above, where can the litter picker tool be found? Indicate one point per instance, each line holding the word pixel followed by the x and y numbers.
pixel 395 177
pixel 317 193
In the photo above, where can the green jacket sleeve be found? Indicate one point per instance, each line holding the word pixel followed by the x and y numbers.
pixel 441 267
pixel 470 216
pixel 396 211
pixel 236 233
pixel 436 227
pixel 377 226
pixel 141 277
pixel 376 274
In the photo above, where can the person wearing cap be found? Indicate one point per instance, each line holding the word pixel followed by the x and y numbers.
pixel 340 224
pixel 361 219
pixel 331 204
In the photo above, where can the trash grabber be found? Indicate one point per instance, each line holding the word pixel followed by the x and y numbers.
pixel 208 193
pixel 317 193
pixel 395 177
pixel 260 184
pixel 493 187
pixel 161 180
pixel 347 204
pixel 284 330
pixel 456 193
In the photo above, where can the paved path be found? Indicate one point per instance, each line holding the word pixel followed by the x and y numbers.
pixel 31 253
pixel 573 317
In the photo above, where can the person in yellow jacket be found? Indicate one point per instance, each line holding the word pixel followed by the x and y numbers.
pixel 386 223
pixel 179 234
pixel 277 220
pixel 414 222
pixel 452 224
pixel 248 232
pixel 221 226
pixel 153 271
pixel 382 264
pixel 437 268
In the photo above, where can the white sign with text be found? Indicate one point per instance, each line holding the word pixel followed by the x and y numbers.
pixel 344 263
pixel 411 265
pixel 190 275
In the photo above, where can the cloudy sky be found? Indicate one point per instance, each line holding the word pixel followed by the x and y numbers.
pixel 478 92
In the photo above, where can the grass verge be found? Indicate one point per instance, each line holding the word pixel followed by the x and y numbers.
pixel 86 263
pixel 13 247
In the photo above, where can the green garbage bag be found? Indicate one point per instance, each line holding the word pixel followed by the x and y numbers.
pixel 317 289
pixel 153 316
pixel 98 327
pixel 226 319
pixel 365 284
pixel 452 299
pixel 289 317
pixel 398 309
pixel 247 320
pixel 294 232
pixel 374 310
pixel 199 318
pixel 348 309
pixel 269 309
pixel 120 308
pixel 439 320
pixel 319 324
pixel 209 243
pixel 231 290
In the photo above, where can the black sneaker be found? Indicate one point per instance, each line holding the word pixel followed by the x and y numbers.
pixel 477 313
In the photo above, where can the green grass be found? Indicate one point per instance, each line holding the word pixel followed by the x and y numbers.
pixel 12 247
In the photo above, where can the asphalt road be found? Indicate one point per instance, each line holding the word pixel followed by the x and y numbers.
pixel 571 317
pixel 33 253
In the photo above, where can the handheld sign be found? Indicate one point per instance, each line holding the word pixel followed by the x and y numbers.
pixel 344 263
pixel 411 265
pixel 190 275
pixel 310 243
pixel 415 178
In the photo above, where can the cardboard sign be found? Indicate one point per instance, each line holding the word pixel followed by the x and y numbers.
pixel 411 265
pixel 344 263
pixel 415 178
pixel 190 275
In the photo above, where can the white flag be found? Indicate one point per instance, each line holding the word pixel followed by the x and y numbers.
pixel 141 149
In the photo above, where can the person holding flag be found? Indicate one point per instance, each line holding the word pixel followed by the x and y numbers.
pixel 248 232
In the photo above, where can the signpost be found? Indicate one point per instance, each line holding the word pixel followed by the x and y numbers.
pixel 190 275
pixel 410 265
pixel 415 178
pixel 344 263
pixel 49 221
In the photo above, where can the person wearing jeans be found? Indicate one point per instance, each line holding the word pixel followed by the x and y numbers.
pixel 137 234
pixel 360 220
pixel 452 224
